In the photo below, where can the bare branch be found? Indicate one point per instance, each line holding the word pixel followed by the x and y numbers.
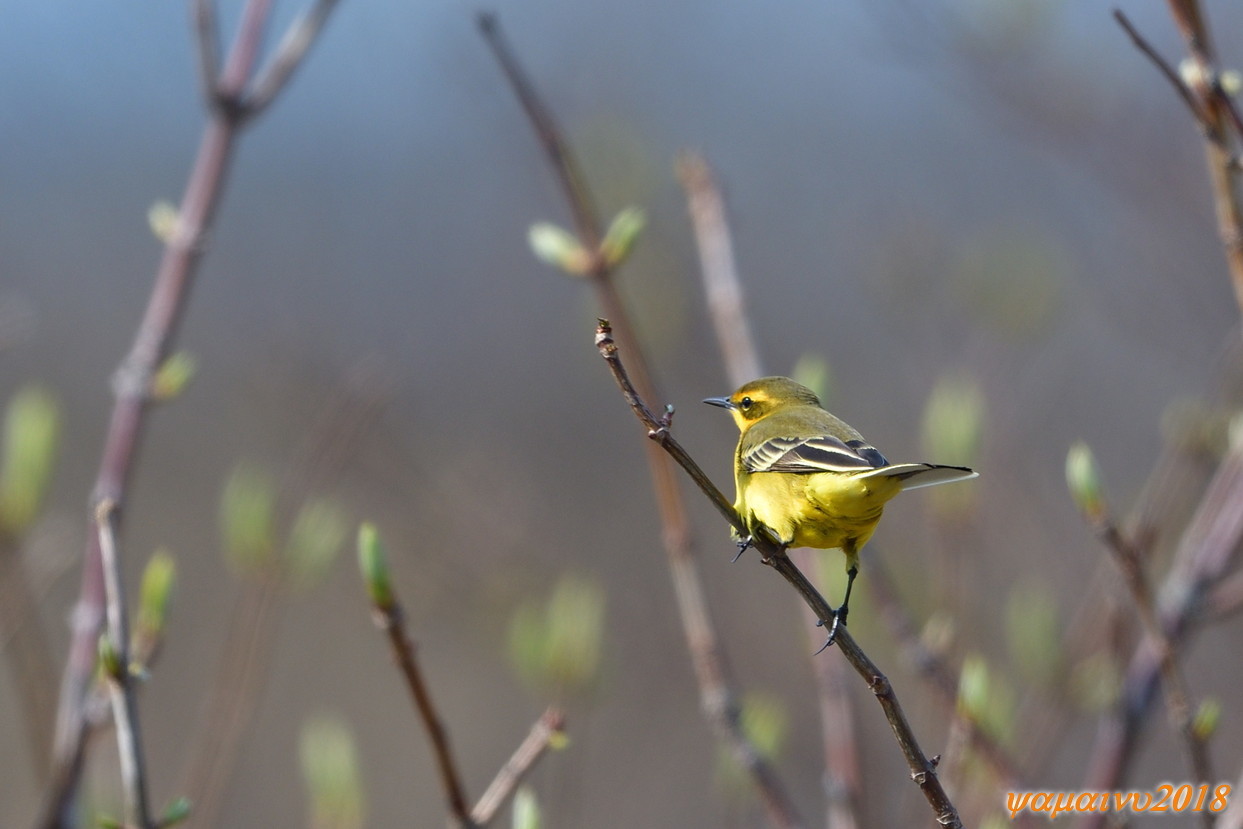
pixel 1141 43
pixel 390 618
pixel 152 342
pixel 289 55
pixel 120 680
pixel 1208 545
pixel 207 39
pixel 546 729
pixel 722 287
pixel 569 174
pixel 1217 119
pixel 1177 699
pixel 923 772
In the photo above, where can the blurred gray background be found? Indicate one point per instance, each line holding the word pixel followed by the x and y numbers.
pixel 1007 192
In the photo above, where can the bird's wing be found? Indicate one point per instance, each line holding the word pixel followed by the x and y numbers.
pixel 821 453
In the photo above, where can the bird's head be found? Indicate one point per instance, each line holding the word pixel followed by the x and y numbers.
pixel 760 398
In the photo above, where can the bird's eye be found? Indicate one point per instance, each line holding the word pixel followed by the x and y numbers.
pixel 745 403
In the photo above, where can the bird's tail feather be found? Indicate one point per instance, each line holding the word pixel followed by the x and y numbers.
pixel 915 475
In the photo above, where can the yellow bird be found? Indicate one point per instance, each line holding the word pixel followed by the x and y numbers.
pixel 809 478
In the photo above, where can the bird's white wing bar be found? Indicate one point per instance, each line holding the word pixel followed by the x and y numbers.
pixel 822 453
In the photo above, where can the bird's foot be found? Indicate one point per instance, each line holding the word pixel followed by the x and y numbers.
pixel 744 544
pixel 839 621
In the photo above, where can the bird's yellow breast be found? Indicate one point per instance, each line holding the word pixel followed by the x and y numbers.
pixel 822 510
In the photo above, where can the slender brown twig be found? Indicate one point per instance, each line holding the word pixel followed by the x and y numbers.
pixel 117 669
pixel 132 384
pixel 390 618
pixel 288 56
pixel 718 698
pixel 923 771
pixel 541 737
pixel 1163 66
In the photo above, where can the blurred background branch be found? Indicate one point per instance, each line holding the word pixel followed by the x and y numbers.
pixel 718 697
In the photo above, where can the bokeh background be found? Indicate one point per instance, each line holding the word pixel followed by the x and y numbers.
pixel 1007 195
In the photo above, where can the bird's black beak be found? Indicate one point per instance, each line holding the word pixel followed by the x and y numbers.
pixel 723 402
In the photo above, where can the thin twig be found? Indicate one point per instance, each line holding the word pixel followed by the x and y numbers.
pixel 124 704
pixel 152 342
pixel 1193 25
pixel 546 730
pixel 1163 66
pixel 564 164
pixel 1177 699
pixel 718 698
pixel 923 771
pixel 390 618
pixel 207 41
pixel 722 287
pixel 1208 545
pixel 275 74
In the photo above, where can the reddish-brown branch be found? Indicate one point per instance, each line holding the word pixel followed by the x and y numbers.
pixel 391 619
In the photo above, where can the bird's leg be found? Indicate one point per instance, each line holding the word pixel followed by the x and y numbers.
pixel 839 615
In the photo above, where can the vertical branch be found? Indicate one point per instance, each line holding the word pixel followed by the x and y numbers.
pixel 132 382
pixel 722 286
pixel 540 739
pixel 718 697
pixel 115 646
pixel 728 311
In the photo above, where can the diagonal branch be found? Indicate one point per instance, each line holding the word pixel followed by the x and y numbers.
pixel 543 736
pixel 923 771
pixel 291 52
pixel 1163 66
pixel 390 617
